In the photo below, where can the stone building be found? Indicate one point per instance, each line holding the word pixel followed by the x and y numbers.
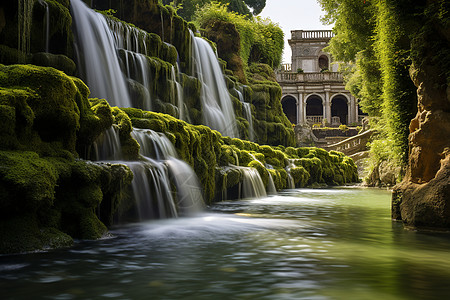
pixel 313 89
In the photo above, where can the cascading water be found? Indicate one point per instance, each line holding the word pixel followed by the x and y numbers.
pixel 139 80
pixel 97 56
pixel 46 24
pixel 128 37
pixel 188 191
pixel 247 112
pixel 248 116
pixel 179 95
pixel 107 145
pixel 112 59
pixel 151 190
pixel 218 112
pixel 154 144
pixel 252 185
pixel 25 17
pixel 271 189
pixel 153 177
pixel 288 170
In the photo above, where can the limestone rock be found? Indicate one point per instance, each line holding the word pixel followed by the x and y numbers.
pixel 423 198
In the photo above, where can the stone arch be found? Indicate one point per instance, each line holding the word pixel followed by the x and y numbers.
pixel 289 104
pixel 340 108
pixel 324 62
pixel 314 108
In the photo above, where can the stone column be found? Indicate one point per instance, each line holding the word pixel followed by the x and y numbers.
pixel 351 110
pixel 327 108
pixel 300 109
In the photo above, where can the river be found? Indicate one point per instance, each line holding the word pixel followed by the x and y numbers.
pixel 300 244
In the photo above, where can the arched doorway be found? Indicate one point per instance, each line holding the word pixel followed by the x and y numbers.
pixel 323 63
pixel 289 104
pixel 339 108
pixel 314 109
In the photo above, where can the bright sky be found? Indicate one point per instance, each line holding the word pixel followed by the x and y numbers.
pixel 294 15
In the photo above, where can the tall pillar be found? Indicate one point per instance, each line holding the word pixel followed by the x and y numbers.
pixel 327 108
pixel 300 109
pixel 351 110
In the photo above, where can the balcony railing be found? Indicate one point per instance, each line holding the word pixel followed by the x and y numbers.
pixel 314 119
pixel 290 77
pixel 311 34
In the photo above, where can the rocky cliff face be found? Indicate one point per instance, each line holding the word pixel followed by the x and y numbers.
pixel 423 198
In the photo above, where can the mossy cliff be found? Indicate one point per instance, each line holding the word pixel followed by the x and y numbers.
pixel 47 195
pixel 168 32
pixel 209 154
pixel 167 39
pixel 23 34
pixel 422 199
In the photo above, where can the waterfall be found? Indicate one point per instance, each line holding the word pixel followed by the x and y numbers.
pixel 47 24
pixel 248 116
pixel 218 112
pixel 189 198
pixel 25 18
pixel 291 181
pixel 249 186
pixel 107 145
pixel 137 69
pixel 253 187
pixel 271 189
pixel 97 56
pixel 128 37
pixel 179 95
pixel 151 190
pixel 154 144
pixel 100 42
pixel 247 112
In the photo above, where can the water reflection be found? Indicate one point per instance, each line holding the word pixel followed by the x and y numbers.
pixel 303 244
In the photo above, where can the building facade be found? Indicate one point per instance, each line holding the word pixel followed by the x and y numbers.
pixel 313 89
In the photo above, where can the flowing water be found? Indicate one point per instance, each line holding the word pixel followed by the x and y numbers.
pixel 301 244
pixel 217 108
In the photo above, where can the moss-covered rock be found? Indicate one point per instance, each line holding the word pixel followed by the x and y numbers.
pixel 46 196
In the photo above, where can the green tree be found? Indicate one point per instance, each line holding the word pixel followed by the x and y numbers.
pixel 242 7
pixel 262 41
pixel 373 41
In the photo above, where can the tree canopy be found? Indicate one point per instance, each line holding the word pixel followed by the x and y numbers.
pixel 373 42
pixel 243 7
pixel 261 40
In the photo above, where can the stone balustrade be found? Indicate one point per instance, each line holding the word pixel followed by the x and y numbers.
pixel 352 145
pixel 311 34
pixel 314 119
pixel 291 77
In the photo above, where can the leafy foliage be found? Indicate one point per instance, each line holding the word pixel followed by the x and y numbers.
pixel 189 7
pixel 373 41
pixel 261 40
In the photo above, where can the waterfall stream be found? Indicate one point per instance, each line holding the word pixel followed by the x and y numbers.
pixel 46 24
pixel 247 112
pixel 218 112
pixel 113 60
pixel 155 175
pixel 97 56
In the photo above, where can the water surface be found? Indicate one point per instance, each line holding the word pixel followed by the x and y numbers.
pixel 301 244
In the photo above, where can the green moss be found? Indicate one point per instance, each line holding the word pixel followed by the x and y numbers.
pixel 22 234
pixel 263 173
pixel 28 182
pixel 60 62
pixel 130 147
pixel 51 97
pixel 300 176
